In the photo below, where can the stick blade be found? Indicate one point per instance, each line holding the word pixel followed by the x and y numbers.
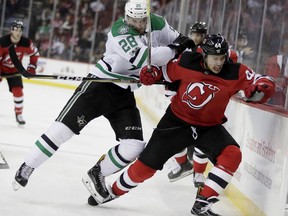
pixel 3 162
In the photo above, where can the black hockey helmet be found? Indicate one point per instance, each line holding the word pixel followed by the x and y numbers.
pixel 214 44
pixel 17 24
pixel 199 27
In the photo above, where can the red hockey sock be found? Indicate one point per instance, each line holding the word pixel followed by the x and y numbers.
pixel 208 192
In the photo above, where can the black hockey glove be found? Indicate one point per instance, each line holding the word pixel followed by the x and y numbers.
pixel 181 43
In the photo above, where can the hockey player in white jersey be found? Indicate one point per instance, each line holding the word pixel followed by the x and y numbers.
pixel 126 52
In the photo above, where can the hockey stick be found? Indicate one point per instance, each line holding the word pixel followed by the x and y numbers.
pixel 4 164
pixel 10 76
pixel 17 63
pixel 149 34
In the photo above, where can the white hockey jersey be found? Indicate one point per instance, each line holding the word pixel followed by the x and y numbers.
pixel 127 51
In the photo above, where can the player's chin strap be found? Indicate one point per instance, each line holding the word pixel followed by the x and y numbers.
pixel 17 63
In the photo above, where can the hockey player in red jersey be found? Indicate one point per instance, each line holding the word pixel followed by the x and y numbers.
pixel 23 46
pixel 184 167
pixel 194 117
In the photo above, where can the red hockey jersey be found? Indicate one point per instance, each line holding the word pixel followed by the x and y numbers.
pixel 24 47
pixel 203 96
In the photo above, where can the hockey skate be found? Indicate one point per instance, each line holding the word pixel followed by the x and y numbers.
pixel 198 179
pixel 22 176
pixel 181 171
pixel 94 202
pixel 19 119
pixel 95 183
pixel 202 206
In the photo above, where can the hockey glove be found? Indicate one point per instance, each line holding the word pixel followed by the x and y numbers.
pixel 260 92
pixel 149 77
pixel 31 69
pixel 182 43
pixel 171 88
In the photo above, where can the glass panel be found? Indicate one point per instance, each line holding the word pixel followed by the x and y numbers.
pixel 77 30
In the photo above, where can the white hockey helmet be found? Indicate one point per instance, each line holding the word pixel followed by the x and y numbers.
pixel 136 9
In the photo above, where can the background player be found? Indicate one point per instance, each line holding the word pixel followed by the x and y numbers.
pixel 23 46
pixel 184 166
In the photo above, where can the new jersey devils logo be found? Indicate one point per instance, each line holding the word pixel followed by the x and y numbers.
pixel 198 95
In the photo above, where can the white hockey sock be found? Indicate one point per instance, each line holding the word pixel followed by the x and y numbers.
pixel 113 162
pixel 48 144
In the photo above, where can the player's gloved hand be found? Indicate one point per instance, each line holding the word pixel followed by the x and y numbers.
pixel 260 92
pixel 149 77
pixel 171 88
pixel 31 69
pixel 181 43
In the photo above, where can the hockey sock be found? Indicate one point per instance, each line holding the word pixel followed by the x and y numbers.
pixel 200 161
pixel 48 144
pixel 221 174
pixel 18 99
pixel 181 157
pixel 136 174
pixel 113 162
pixel 121 155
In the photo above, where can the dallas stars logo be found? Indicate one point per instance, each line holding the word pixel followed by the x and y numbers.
pixel 123 29
pixel 81 121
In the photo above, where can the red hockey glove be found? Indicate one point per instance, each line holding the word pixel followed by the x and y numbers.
pixel 31 69
pixel 260 92
pixel 150 77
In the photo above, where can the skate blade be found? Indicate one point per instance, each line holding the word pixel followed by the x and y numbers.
pixel 90 187
pixel 182 176
pixel 21 125
pixel 16 186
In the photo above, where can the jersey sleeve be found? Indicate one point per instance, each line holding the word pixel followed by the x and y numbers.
pixel 233 56
pixel 248 77
pixel 161 29
pixel 33 53
pixel 169 71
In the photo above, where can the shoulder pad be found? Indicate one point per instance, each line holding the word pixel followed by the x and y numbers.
pixel 191 60
pixel 157 22
pixel 5 41
pixel 121 28
pixel 230 71
pixel 24 42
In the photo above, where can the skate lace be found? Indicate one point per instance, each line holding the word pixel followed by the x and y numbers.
pixel 207 206
pixel 176 169
pixel 102 180
pixel 26 171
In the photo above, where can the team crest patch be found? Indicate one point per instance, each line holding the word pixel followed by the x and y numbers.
pixel 123 29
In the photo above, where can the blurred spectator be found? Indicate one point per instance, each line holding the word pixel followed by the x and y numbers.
pixel 277 67
pixel 243 51
pixel 79 55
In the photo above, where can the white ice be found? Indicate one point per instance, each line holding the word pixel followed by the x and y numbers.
pixel 55 188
